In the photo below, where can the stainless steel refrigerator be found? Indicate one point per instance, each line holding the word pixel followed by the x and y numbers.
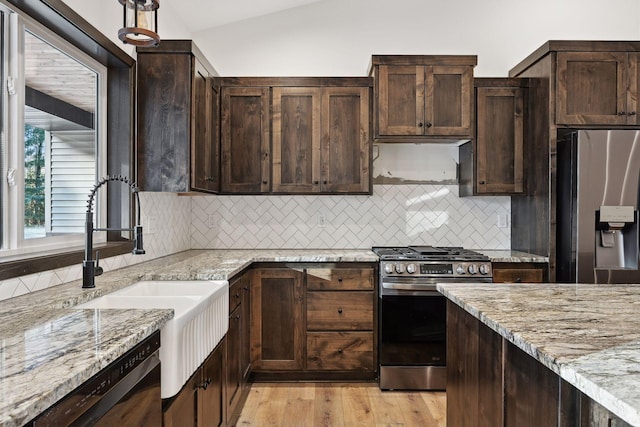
pixel 598 175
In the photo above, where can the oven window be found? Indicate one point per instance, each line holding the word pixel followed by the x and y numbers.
pixel 413 330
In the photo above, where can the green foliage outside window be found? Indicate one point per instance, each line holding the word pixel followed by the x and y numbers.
pixel 34 185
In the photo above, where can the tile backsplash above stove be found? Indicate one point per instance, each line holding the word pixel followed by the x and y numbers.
pixel 393 215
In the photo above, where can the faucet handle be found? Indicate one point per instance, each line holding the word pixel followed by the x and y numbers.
pixel 98 270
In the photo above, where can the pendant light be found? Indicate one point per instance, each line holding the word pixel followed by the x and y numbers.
pixel 140 26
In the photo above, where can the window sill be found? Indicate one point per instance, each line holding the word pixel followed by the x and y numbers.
pixel 23 267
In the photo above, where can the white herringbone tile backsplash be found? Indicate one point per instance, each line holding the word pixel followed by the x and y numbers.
pixel 166 221
pixel 394 215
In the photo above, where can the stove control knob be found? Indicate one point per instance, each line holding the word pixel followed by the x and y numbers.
pixel 411 268
pixel 473 269
pixel 460 269
pixel 484 269
pixel 388 268
pixel 399 268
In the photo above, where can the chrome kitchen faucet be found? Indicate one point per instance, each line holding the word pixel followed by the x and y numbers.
pixel 91 267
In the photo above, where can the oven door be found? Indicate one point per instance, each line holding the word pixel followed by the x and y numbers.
pixel 413 326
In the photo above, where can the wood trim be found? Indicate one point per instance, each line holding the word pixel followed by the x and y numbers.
pixel 573 46
pixel 424 60
pixel 296 81
pixel 64 21
pixel 23 267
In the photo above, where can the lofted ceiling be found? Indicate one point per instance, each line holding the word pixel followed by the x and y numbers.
pixel 200 15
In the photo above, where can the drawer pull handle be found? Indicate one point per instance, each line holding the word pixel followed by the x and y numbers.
pixel 339 279
pixel 340 310
pixel 339 350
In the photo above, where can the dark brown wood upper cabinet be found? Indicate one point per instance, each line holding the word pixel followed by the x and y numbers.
pixel 494 162
pixel 245 140
pixel 422 97
pixel 296 139
pixel 597 88
pixel 205 150
pixel 321 140
pixel 177 134
pixel 345 143
pixel 315 139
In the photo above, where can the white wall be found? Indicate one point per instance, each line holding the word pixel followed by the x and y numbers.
pixel 338 37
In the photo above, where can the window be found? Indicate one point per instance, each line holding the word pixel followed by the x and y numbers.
pixel 54 144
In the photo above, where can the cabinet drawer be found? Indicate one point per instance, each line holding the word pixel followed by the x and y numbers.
pixel 339 311
pixel 340 351
pixel 319 279
pixel 520 275
pixel 235 294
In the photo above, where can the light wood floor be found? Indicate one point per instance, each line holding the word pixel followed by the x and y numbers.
pixel 337 405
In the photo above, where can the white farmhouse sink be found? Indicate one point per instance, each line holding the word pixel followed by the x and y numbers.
pixel 201 319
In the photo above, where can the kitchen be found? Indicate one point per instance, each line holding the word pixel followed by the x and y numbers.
pixel 176 223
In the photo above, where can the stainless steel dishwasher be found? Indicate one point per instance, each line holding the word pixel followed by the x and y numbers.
pixel 127 392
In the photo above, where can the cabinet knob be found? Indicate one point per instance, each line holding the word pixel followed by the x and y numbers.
pixel 265 182
pixel 324 182
pixel 429 124
pixel 420 124
pixel 340 310
pixel 316 182
pixel 621 113
pixel 339 279
pixel 481 182
pixel 632 113
pixel 518 280
pixel 339 350
pixel 205 384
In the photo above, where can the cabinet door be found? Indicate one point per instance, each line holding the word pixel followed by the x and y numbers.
pixel 277 321
pixel 182 408
pixel 296 139
pixel 500 140
pixel 245 140
pixel 345 140
pixel 400 102
pixel 163 110
pixel 205 150
pixel 245 329
pixel 210 396
pixel 234 376
pixel 449 100
pixel 592 89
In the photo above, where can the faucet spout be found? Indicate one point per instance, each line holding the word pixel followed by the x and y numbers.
pixel 90 266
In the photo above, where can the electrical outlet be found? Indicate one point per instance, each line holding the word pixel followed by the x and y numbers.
pixel 503 221
pixel 322 221
pixel 150 226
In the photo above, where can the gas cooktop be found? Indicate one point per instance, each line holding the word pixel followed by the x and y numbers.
pixel 428 253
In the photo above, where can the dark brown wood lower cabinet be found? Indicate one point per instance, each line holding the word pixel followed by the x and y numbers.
pixel 493 383
pixel 519 272
pixel 200 402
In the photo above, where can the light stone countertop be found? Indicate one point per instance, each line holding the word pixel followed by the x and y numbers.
pixel 507 255
pixel 47 348
pixel 587 334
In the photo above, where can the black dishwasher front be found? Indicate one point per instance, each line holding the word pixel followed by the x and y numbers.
pixel 126 393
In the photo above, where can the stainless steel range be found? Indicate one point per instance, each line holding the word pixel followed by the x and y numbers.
pixel 413 313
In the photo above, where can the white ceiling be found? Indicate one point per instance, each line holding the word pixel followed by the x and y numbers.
pixel 199 15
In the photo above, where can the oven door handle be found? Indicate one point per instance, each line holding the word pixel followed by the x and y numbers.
pixel 393 291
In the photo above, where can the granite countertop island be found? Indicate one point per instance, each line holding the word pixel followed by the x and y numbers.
pixel 48 348
pixel 587 334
